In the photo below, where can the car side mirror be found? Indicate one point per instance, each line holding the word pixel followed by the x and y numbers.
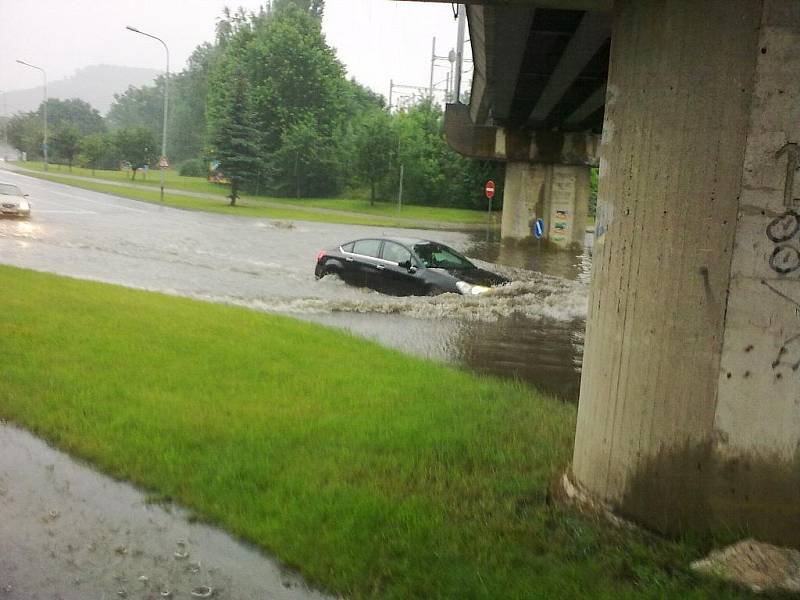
pixel 25 195
pixel 407 264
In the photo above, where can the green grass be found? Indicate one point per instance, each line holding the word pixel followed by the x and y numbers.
pixel 382 213
pixel 409 211
pixel 376 474
pixel 172 178
pixel 245 207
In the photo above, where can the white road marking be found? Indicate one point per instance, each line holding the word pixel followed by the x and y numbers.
pixel 42 183
pixel 106 204
pixel 65 212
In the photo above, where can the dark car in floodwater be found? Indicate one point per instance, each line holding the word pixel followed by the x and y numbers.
pixel 405 267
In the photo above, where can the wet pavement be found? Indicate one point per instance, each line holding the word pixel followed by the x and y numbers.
pixel 531 329
pixel 69 533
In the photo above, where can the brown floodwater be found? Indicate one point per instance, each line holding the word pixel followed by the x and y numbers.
pixel 531 329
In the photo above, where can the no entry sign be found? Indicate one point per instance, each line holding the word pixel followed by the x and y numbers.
pixel 490 189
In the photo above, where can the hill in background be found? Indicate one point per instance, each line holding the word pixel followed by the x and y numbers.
pixel 96 84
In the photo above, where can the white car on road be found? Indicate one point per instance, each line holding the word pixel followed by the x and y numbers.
pixel 13 202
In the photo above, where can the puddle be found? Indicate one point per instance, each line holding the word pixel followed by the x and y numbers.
pixel 68 532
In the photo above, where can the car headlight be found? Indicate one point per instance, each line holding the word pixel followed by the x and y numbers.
pixel 24 205
pixel 471 290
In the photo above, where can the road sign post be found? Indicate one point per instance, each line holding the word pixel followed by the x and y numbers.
pixel 489 190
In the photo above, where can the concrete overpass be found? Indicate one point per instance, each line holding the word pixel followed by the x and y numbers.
pixel 537 103
pixel 689 414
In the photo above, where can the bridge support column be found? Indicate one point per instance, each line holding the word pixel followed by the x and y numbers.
pixel 523 198
pixel 689 414
pixel 559 194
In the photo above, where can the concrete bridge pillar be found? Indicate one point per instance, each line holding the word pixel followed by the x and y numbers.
pixel 689 412
pixel 558 194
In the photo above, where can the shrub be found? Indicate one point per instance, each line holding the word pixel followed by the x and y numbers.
pixel 194 167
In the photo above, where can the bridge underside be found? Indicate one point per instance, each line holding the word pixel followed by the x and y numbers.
pixel 537 102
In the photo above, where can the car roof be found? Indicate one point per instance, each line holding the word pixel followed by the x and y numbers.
pixel 408 241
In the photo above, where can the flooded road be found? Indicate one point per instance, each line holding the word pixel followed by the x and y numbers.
pixel 531 329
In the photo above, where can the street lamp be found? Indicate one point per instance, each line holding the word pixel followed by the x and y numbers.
pixel 44 146
pixel 166 102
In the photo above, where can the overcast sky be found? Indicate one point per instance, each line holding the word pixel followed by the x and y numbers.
pixel 377 40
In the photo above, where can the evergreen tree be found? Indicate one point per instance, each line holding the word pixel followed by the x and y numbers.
pixel 232 137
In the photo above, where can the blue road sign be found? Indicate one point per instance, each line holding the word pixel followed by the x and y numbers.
pixel 538 229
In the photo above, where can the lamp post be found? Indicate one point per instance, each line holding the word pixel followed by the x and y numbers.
pixel 5 120
pixel 166 103
pixel 44 75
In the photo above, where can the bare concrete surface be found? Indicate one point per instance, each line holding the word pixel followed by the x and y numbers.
pixel 69 533
pixel 758 566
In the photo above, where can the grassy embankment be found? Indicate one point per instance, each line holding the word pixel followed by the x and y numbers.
pixel 375 473
pixel 360 211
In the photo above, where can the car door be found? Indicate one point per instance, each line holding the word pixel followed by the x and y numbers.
pixel 349 271
pixel 366 259
pixel 396 279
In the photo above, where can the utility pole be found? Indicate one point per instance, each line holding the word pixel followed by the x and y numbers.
pixel 433 64
pixel 418 90
pixel 400 190
pixel 462 15
pixel 44 124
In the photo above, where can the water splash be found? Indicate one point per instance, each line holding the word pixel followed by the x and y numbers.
pixel 537 297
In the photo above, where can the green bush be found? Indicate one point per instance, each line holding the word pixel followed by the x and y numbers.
pixel 194 167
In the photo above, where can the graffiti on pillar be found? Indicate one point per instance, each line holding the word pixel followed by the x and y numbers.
pixel 792 152
pixel 788 356
pixel 563 202
pixel 783 229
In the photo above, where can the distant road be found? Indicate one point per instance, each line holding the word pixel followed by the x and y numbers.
pixel 360 217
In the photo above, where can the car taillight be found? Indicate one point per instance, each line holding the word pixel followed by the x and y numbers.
pixel 320 255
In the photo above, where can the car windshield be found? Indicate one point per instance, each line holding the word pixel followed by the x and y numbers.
pixel 6 189
pixel 438 256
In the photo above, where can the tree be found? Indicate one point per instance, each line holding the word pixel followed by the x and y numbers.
pixel 139 107
pixel 187 112
pixel 77 113
pixel 232 138
pixel 313 7
pixel 296 92
pixel 93 149
pixel 433 172
pixel 134 145
pixel 25 133
pixel 65 140
pixel 375 141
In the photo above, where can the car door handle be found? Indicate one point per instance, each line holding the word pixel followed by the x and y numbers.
pixel 348 259
pixel 380 267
